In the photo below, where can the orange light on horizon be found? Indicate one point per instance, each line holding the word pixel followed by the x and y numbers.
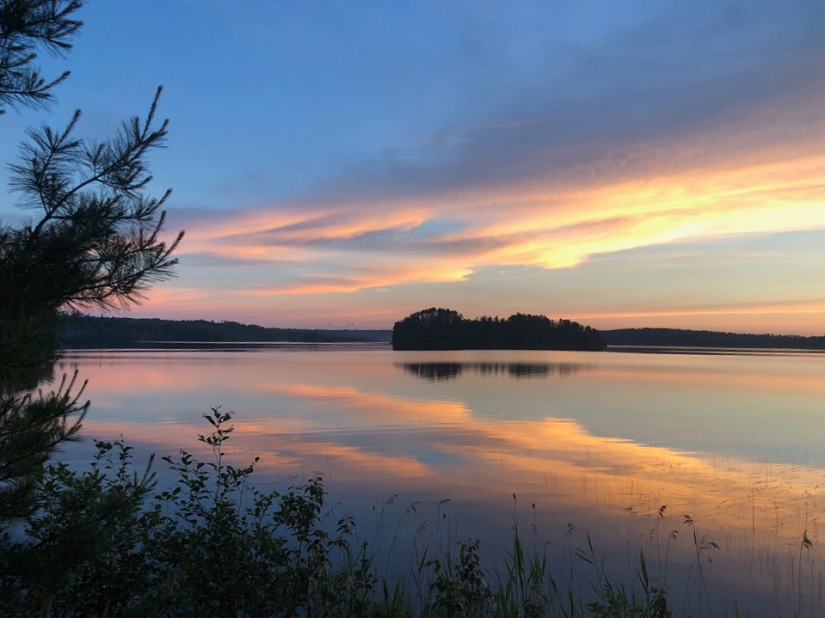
pixel 557 229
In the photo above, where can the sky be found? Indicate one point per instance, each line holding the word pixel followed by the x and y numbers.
pixel 344 164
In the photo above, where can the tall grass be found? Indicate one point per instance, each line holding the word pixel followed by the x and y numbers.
pixel 107 542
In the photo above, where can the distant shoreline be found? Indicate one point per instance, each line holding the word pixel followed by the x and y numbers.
pixel 683 338
pixel 82 331
pixel 244 346
pixel 88 332
pixel 711 351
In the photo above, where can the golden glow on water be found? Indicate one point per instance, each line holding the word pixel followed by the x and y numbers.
pixel 362 420
pixel 379 408
pixel 600 440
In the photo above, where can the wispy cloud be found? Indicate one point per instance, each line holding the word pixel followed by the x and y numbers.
pixel 348 249
pixel 587 138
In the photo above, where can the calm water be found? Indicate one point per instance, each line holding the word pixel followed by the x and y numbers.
pixel 598 440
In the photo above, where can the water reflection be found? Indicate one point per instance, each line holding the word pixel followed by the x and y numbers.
pixel 735 443
pixel 449 371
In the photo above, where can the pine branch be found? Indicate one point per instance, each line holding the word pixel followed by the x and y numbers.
pixel 26 25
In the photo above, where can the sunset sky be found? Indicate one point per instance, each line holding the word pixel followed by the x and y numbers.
pixel 344 164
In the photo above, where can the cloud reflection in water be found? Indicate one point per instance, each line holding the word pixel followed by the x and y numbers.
pixel 566 439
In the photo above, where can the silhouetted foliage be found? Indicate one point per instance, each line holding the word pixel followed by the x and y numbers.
pixel 83 331
pixel 95 244
pixel 675 337
pixel 444 329
pixel 94 241
pixel 106 541
pixel 103 542
pixel 25 27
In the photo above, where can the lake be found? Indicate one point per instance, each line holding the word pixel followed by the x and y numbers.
pixel 429 448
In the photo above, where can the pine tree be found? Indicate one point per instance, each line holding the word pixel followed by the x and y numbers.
pixel 94 242
pixel 27 26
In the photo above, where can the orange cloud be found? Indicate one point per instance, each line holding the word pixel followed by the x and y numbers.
pixel 546 226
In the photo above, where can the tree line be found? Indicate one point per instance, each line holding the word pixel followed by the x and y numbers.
pixel 676 337
pixel 445 329
pixel 84 331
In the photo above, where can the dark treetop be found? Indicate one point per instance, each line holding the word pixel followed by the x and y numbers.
pixel 83 331
pixel 677 337
pixel 444 329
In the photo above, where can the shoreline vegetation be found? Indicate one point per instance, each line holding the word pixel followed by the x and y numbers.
pixel 445 329
pixel 109 540
pixel 683 338
pixel 84 331
pixel 78 330
pixel 212 544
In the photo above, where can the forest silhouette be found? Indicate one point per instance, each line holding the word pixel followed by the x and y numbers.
pixel 445 329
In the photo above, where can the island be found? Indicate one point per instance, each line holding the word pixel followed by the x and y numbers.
pixel 445 329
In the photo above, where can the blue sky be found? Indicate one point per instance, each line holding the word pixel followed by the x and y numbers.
pixel 345 164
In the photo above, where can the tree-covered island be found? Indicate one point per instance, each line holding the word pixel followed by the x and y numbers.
pixel 445 329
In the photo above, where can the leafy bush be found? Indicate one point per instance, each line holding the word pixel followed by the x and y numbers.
pixel 105 542
pixel 102 543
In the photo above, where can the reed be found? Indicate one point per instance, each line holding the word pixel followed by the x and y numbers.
pixel 215 545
